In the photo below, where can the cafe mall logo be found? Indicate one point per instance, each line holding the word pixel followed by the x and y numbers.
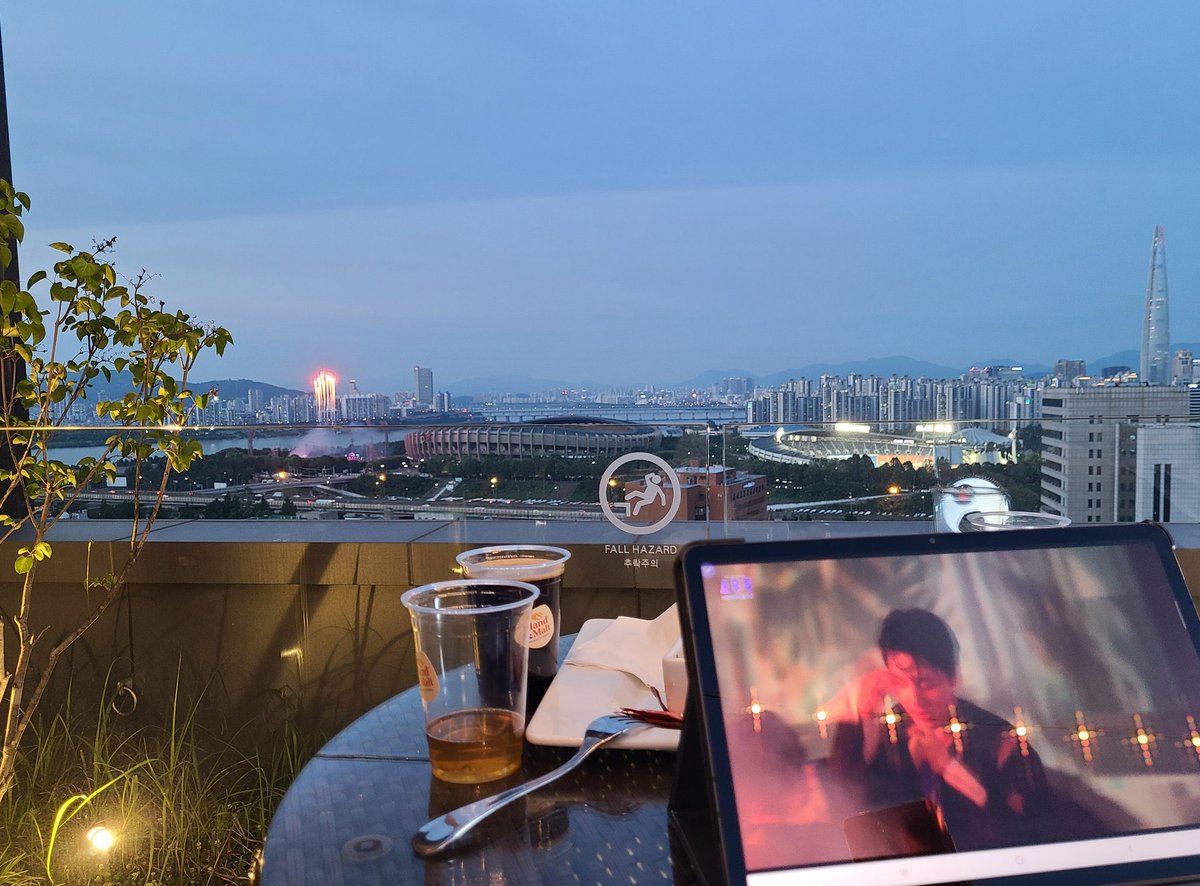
pixel 649 492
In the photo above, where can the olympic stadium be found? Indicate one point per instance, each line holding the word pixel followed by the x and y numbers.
pixel 565 437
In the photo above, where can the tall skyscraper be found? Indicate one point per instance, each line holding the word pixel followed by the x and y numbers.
pixel 423 385
pixel 1156 335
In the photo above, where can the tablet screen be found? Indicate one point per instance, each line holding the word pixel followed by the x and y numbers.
pixel 940 713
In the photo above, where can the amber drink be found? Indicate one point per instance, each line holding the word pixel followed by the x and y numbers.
pixel 481 744
pixel 472 650
pixel 543 567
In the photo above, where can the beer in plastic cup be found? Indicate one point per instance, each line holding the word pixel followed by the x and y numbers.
pixel 472 648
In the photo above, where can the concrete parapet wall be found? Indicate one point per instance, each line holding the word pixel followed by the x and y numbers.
pixel 257 621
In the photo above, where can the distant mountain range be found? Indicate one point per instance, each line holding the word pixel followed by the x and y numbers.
pixel 231 388
pixel 518 384
pixel 881 366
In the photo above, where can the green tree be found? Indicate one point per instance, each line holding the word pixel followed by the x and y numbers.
pixel 691 447
pixel 84 323
pixel 1029 438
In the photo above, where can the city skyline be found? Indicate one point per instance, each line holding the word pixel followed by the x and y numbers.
pixel 775 186
pixel 898 365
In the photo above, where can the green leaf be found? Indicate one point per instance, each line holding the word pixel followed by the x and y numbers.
pixel 63 247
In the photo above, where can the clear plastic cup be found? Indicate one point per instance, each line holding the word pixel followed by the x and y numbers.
pixel 472 647
pixel 539 565
pixel 995 521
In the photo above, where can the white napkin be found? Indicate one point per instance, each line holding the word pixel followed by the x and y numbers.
pixel 633 645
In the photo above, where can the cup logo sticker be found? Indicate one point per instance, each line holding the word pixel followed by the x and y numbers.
pixel 427 677
pixel 649 493
pixel 541 627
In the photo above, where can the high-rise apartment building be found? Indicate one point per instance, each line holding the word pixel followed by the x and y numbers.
pixel 358 406
pixel 423 385
pixel 1156 334
pixel 1182 371
pixel 894 403
pixel 1066 371
pixel 1089 447
pixel 736 386
pixel 1168 473
pixel 794 401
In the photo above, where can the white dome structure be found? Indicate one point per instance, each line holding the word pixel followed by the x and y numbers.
pixel 971 495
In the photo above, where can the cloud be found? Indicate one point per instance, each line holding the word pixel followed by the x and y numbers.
pixel 1036 261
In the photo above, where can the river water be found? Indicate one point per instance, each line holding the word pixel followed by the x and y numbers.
pixel 319 441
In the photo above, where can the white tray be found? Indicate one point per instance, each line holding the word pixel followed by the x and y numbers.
pixel 578 695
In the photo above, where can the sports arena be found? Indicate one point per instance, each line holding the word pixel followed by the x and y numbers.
pixel 568 437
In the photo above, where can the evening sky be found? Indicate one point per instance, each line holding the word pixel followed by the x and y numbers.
pixel 627 192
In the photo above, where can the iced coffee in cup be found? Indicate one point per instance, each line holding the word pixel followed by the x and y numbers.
pixel 472 648
pixel 543 567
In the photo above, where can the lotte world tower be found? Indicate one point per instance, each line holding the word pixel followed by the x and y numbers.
pixel 1156 336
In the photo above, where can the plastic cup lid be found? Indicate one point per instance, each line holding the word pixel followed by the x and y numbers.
pixel 523 562
pixel 419 598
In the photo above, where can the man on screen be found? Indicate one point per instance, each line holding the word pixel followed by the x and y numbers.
pixel 906 738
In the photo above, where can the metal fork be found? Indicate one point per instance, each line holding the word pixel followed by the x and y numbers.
pixel 440 833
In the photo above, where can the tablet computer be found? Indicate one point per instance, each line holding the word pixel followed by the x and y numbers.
pixel 1003 707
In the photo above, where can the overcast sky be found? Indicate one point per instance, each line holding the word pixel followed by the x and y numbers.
pixel 626 192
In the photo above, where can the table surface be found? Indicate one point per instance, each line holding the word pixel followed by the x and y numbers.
pixel 348 817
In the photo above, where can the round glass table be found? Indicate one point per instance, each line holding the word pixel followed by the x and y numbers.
pixel 348 817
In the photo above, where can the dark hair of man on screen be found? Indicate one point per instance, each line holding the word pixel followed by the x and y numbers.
pixel 920 632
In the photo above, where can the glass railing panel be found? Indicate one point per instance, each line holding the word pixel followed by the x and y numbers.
pixel 639 478
pixel 649 471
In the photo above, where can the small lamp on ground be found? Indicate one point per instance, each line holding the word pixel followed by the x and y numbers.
pixel 101 839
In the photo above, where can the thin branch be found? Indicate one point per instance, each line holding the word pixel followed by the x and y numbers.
pixel 66 643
